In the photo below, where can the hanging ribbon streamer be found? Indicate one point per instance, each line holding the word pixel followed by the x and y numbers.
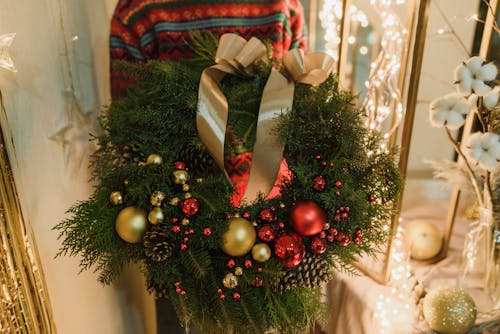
pixel 237 56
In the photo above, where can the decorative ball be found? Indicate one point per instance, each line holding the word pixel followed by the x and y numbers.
pixel 157 197
pixel 307 218
pixel 319 183
pixel 261 252
pixel 318 245
pixel 116 198
pixel 267 215
pixel 230 281
pixel 238 271
pixel 131 224
pixel 180 176
pixel 154 159
pixel 239 238
pixel 289 249
pixel 156 216
pixel 449 310
pixel 266 233
pixel 424 239
pixel 190 206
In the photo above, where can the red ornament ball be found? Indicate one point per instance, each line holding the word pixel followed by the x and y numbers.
pixel 318 245
pixel 179 165
pixel 267 215
pixel 319 183
pixel 307 218
pixel 289 249
pixel 266 233
pixel 190 206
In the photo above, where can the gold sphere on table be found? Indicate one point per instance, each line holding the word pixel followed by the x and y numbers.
pixel 180 176
pixel 449 310
pixel 154 159
pixel 239 238
pixel 116 198
pixel 131 224
pixel 261 252
pixel 424 239
pixel 156 216
pixel 157 197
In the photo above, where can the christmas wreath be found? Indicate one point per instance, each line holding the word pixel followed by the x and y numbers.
pixel 233 263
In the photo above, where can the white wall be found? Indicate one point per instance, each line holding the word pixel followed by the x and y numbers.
pixel 52 174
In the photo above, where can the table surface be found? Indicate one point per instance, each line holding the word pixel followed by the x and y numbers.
pixel 360 305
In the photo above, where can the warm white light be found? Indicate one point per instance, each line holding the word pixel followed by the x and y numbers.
pixel 363 50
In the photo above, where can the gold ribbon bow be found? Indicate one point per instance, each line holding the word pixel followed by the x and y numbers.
pixel 236 56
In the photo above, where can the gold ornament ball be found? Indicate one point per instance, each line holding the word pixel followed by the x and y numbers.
pixel 449 310
pixel 424 239
pixel 180 177
pixel 157 197
pixel 131 224
pixel 239 238
pixel 261 252
pixel 238 271
pixel 154 159
pixel 230 281
pixel 116 198
pixel 156 216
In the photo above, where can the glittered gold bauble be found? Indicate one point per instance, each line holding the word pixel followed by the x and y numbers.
pixel 180 176
pixel 239 238
pixel 449 310
pixel 424 239
pixel 154 159
pixel 156 216
pixel 230 281
pixel 131 224
pixel 261 252
pixel 157 197
pixel 116 198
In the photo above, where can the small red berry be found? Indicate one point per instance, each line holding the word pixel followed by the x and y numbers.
pixel 337 193
pixel 332 164
pixel 330 238
pixel 319 183
pixel 207 231
pixel 177 284
pixel 345 169
pixel 357 240
pixel 344 215
pixel 259 269
pixel 318 245
pixel 186 239
pixel 183 293
pixel 178 290
pixel 338 184
pixel 184 247
pixel 246 215
pixel 281 225
pixel 334 232
pixel 317 156
pixel 179 165
pixel 372 198
pixel 236 296
pixel 358 232
pixel 222 296
pixel 336 218
pixel 248 263
pixel 323 163
pixel 176 228
pixel 219 291
pixel 174 220
pixel 231 263
pixel 322 235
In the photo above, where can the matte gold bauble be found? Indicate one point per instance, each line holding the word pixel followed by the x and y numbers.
pixel 157 197
pixel 239 238
pixel 424 239
pixel 449 310
pixel 116 198
pixel 131 224
pixel 180 176
pixel 156 216
pixel 230 281
pixel 261 252
pixel 154 159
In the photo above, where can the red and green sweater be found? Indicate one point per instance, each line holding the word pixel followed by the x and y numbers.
pixel 159 29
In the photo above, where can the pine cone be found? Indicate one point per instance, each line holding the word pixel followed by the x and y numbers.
pixel 197 159
pixel 128 153
pixel 310 273
pixel 156 245
pixel 159 289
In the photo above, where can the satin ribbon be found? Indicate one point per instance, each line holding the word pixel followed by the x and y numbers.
pixel 237 56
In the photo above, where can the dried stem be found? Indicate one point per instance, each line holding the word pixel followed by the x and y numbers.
pixel 470 171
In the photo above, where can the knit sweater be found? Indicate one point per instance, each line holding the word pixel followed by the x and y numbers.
pixel 159 29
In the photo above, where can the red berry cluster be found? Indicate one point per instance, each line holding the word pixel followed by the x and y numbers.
pixel 341 213
pixel 178 289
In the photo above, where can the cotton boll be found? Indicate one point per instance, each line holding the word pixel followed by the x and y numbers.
pixel 454 121
pixel 437 118
pixel 490 100
pixel 462 107
pixel 480 88
pixel 474 64
pixel 487 72
pixel 449 111
pixel 483 149
pixel 487 162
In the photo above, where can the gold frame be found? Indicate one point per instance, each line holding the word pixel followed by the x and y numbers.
pixel 24 301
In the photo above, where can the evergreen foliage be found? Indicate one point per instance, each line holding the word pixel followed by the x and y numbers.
pixel 158 116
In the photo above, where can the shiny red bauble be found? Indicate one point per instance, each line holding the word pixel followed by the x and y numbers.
pixel 267 215
pixel 266 233
pixel 307 218
pixel 289 249
pixel 190 206
pixel 318 245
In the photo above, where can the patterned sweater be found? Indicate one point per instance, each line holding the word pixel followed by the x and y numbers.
pixel 159 29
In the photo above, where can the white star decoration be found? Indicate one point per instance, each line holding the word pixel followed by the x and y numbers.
pixel 6 61
pixel 74 134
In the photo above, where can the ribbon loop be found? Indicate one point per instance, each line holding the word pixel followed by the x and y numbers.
pixel 235 55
